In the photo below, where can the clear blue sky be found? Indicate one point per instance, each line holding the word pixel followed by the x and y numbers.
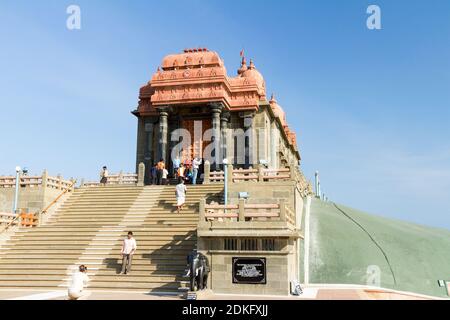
pixel 371 108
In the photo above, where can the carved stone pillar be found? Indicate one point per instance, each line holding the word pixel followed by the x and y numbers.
pixel 249 145
pixel 149 149
pixel 224 119
pixel 163 130
pixel 216 110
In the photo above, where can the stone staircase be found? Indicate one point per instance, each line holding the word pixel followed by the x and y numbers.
pixel 89 228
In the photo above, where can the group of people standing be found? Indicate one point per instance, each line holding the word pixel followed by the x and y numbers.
pixel 187 170
pixel 159 173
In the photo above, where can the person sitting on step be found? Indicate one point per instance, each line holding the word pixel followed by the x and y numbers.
pixel 78 282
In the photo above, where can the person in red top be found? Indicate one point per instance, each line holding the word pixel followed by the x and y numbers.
pixel 159 171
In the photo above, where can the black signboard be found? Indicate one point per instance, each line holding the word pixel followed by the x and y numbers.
pixel 249 270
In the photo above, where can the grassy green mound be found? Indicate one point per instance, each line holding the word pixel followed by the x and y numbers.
pixel 347 245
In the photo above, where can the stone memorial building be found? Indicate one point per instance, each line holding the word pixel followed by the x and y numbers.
pixel 191 103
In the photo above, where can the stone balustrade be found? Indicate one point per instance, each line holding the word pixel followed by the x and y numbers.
pixel 259 174
pixel 115 179
pixel 23 220
pixel 57 183
pixel 245 212
pixel 6 218
pixel 121 178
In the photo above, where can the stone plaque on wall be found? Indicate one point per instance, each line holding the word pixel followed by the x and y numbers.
pixel 249 270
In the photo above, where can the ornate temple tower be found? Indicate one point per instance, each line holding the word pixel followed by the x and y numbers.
pixel 192 108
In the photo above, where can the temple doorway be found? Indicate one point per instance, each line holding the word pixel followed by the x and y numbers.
pixel 196 146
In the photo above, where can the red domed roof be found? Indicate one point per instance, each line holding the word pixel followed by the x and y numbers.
pixel 252 73
pixel 192 58
pixel 277 110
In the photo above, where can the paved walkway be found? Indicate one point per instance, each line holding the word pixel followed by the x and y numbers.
pixel 309 294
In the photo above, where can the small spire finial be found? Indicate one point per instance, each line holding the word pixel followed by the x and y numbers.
pixel 243 63
pixel 272 98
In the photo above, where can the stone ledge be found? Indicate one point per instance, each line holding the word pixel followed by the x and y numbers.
pixel 248 231
pixel 242 252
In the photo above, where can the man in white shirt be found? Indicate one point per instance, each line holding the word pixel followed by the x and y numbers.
pixel 195 166
pixel 180 193
pixel 164 176
pixel 78 282
pixel 128 249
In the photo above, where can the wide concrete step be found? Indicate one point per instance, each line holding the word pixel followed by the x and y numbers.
pixel 148 278
pixel 95 248
pixel 141 200
pixel 130 224
pixel 56 285
pixel 158 210
pixel 164 230
pixel 149 193
pixel 150 234
pixel 63 271
pixel 171 214
pixel 118 198
pixel 148 188
pixel 139 258
pixel 149 209
pixel 147 233
pixel 122 197
pixel 96 251
pixel 140 254
pixel 85 242
pixel 103 221
pixel 158 261
pixel 89 228
pixel 123 219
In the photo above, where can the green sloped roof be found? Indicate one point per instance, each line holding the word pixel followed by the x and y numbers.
pixel 344 242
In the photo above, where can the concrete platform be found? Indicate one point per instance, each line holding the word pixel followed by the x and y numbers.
pixel 309 293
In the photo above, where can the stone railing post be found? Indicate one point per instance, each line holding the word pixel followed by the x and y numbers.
pixel 241 210
pixel 120 177
pixel 206 174
pixel 229 173
pixel 72 182
pixel 201 211
pixel 82 183
pixel 282 210
pixel 59 182
pixel 260 168
pixel 141 175
pixel 44 179
pixel 19 219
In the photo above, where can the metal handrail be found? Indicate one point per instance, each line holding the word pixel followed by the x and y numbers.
pixel 58 197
